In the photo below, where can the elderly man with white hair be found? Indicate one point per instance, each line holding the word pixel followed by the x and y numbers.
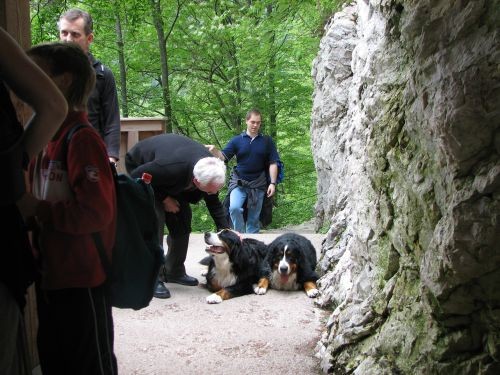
pixel 183 172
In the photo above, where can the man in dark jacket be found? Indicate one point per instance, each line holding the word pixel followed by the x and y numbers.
pixel 183 172
pixel 76 26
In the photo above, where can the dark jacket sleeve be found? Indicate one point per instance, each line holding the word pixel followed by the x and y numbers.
pixel 111 115
pixel 216 210
pixel 168 179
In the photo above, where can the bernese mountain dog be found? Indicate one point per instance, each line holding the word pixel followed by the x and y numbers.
pixel 289 265
pixel 234 266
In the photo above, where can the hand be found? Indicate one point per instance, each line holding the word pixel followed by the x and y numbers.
pixel 171 205
pixel 271 189
pixel 215 151
pixel 27 205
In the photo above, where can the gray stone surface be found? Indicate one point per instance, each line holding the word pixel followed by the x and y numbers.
pixel 405 136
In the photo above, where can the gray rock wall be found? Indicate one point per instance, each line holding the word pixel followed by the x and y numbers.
pixel 406 140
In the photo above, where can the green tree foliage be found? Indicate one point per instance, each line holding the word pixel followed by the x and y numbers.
pixel 204 63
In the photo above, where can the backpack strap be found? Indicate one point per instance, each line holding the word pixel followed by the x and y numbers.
pixel 106 264
pixel 69 135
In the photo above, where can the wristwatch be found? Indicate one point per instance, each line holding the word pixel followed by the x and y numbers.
pixel 272 183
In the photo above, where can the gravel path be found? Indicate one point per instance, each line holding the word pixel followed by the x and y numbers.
pixel 271 334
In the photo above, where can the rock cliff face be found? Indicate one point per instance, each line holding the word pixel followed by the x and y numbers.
pixel 406 140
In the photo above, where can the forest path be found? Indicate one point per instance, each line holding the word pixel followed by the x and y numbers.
pixel 183 335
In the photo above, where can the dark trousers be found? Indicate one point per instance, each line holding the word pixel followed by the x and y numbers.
pixel 179 229
pixel 75 333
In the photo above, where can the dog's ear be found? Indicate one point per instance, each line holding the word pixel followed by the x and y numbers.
pixel 299 254
pixel 230 238
pixel 275 249
pixel 271 250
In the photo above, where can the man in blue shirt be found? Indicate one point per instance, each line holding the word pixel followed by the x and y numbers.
pixel 254 175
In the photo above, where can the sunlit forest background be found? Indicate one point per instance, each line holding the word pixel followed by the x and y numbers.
pixel 202 64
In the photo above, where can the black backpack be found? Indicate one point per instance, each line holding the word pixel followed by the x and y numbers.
pixel 137 253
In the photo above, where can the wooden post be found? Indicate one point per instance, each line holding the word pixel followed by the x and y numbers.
pixel 135 129
pixel 14 18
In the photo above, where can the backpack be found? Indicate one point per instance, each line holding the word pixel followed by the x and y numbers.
pixel 137 253
pixel 281 171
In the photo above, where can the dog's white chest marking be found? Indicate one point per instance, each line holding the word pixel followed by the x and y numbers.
pixel 278 284
pixel 222 273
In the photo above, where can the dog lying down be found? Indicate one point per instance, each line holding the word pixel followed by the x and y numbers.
pixel 234 266
pixel 289 265
pixel 239 266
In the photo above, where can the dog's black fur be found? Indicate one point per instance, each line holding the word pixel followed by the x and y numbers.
pixel 289 265
pixel 234 266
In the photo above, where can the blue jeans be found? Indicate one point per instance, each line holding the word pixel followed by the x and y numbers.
pixel 236 202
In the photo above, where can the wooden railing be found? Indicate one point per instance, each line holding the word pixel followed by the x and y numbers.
pixel 135 129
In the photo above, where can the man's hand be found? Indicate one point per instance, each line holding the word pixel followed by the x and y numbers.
pixel 271 189
pixel 27 205
pixel 171 205
pixel 215 151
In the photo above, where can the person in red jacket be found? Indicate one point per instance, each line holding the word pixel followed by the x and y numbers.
pixel 73 190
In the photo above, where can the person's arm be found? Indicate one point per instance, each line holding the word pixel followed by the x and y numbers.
pixel 168 178
pixel 215 152
pixel 273 175
pixel 226 154
pixel 216 211
pixel 34 87
pixel 111 116
pixel 273 167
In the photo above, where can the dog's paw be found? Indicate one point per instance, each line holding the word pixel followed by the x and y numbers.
pixel 312 293
pixel 258 290
pixel 204 273
pixel 214 298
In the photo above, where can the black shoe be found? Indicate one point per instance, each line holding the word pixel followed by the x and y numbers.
pixel 161 291
pixel 182 279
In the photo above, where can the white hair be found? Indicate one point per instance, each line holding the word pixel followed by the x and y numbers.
pixel 210 170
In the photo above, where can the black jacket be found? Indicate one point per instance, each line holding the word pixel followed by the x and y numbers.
pixel 103 110
pixel 170 159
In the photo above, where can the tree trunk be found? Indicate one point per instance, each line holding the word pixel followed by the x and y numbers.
pixel 271 84
pixel 162 46
pixel 121 59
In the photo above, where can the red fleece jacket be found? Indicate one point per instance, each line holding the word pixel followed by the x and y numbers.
pixel 78 198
